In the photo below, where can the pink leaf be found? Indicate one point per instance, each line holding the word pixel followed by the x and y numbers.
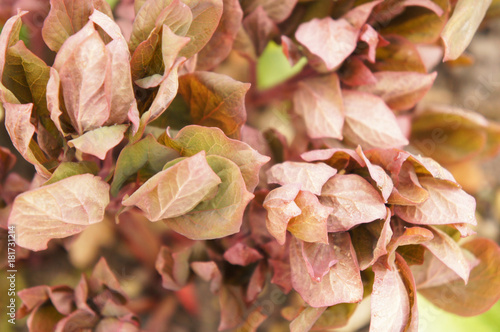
pixel 354 201
pixel 278 10
pixel 241 254
pixel 330 40
pixel 342 284
pixel 319 258
pixel 400 90
pixel 369 122
pixel 99 141
pixel 20 129
pixel 281 207
pixel 310 225
pixel 446 205
pixel 208 271
pixel 319 101
pixel 377 173
pixel 359 14
pixel 58 210
pixel 173 267
pixel 175 190
pixel 310 177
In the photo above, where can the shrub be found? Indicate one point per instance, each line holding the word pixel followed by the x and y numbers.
pixel 326 204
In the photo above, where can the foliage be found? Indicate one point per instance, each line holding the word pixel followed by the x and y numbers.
pixel 136 120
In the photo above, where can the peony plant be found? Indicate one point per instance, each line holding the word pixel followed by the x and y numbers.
pixel 156 128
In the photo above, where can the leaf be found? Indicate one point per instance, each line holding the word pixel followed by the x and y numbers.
pixel 337 158
pixel 306 319
pixel 175 190
pixel 173 266
pixel 461 27
pixel 275 9
pixel 156 13
pixel 67 17
pixel 82 65
pixel 446 205
pixel 354 201
pixel 400 90
pixel 58 210
pixel 359 14
pixel 319 258
pixel 222 215
pixel 391 304
pixel 399 55
pixel 370 242
pixel 319 102
pixel 421 25
pixel 145 153
pixel 20 129
pixel 193 139
pixel 67 169
pixel 310 225
pixel 310 177
pixel 208 271
pixel 121 97
pixel 215 100
pixel 450 135
pixel 448 252
pixel 99 141
pixel 482 290
pixel 330 40
pixel 206 17
pixel 241 254
pixel 335 316
pixel 370 36
pixel 26 76
pixel 376 128
pixel 281 207
pixel 404 236
pixel 382 180
pixel 260 29
pixel 355 73
pixel 220 45
pixel 342 284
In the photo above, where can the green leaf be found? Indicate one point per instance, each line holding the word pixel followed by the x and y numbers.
pixel 67 169
pixel 145 153
pixel 222 215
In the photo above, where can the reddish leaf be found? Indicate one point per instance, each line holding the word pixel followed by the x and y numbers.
pixel 359 14
pixel 354 201
pixel 281 207
pixel 20 129
pixel 446 205
pixel 215 100
pixel 221 43
pixel 370 36
pixel 260 29
pixel 371 241
pixel 310 177
pixel 319 258
pixel 337 158
pixel 400 90
pixel 342 284
pixel 241 254
pixel 173 267
pixel 393 302
pixel 290 50
pixel 231 307
pixel 319 101
pixel 448 252
pixel 278 10
pixel 176 190
pixel 482 290
pixel 281 275
pixel 193 139
pixel 257 282
pixel 332 41
pixel 379 176
pixel 222 215
pixel 208 271
pixel 355 73
pixel 67 17
pixel 58 210
pixel 310 225
pixel 377 127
